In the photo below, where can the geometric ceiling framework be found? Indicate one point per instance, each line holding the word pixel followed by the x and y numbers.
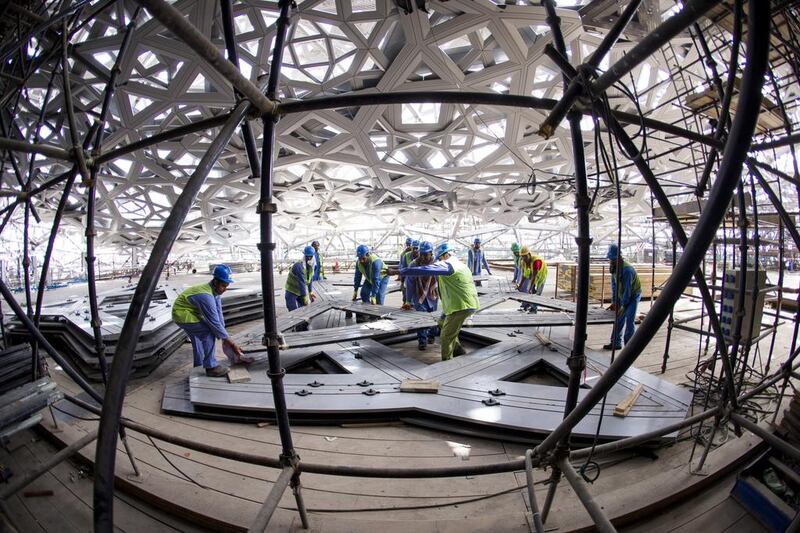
pixel 406 164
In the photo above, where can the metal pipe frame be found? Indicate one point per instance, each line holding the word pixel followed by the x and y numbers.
pixel 710 219
pixel 26 478
pixel 595 510
pixel 734 154
pixel 273 499
pixel 770 438
pixel 126 345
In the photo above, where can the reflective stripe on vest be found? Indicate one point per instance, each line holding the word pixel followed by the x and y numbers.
pixel 457 290
pixel 366 271
pixel 291 284
pixel 183 310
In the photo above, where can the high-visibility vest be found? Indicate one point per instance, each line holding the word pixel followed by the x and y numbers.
pixel 291 280
pixel 183 310
pixel 636 284
pixel 457 290
pixel 366 270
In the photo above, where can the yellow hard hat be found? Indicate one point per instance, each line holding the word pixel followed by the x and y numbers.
pixel 524 251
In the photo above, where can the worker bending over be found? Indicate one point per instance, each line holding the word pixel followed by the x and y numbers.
pixel 422 293
pixel 198 312
pixel 298 290
pixel 626 291
pixel 517 261
pixel 476 259
pixel 533 276
pixel 319 270
pixel 371 268
pixel 457 292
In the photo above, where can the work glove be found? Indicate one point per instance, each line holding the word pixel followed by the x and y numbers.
pixel 312 296
pixel 305 300
pixel 373 300
pixel 620 311
pixel 355 295
pixel 406 306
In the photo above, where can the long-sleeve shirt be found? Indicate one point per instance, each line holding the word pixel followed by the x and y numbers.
pixel 624 297
pixel 319 271
pixel 475 259
pixel 375 271
pixel 456 288
pixel 301 282
pixel 411 289
pixel 211 309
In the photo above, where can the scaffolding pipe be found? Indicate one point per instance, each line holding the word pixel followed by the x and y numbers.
pixel 126 345
pixel 716 207
pixel 26 478
pixel 273 499
pixel 770 438
pixel 595 510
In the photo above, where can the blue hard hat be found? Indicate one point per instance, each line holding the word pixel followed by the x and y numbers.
pixel 442 249
pixel 223 273
pixel 613 252
pixel 362 250
pixel 415 244
pixel 477 240
pixel 409 240
pixel 425 247
pixel 309 251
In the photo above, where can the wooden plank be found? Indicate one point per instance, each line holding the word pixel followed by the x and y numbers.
pixel 238 374
pixel 624 407
pixel 420 385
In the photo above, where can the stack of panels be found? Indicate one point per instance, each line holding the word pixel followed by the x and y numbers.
pixel 16 367
pixel 67 326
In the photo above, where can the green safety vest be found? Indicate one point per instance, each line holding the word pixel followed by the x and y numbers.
pixel 184 311
pixel 636 284
pixel 291 281
pixel 409 255
pixel 366 271
pixel 457 290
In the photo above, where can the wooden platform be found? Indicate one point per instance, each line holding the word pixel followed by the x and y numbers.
pixel 225 495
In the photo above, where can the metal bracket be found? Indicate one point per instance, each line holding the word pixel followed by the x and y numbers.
pixel 274 339
pixel 490 402
pixel 371 392
pixel 315 384
pixel 265 206
pixel 364 383
pixel 303 392
pixel 276 375
pixel 497 392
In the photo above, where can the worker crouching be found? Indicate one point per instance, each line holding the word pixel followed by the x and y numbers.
pixel 374 273
pixel 198 311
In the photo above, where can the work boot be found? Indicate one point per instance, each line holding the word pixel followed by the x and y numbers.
pixel 217 372
pixel 422 347
pixel 431 340
pixel 610 346
pixel 458 350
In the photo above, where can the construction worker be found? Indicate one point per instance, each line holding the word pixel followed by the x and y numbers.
pixel 371 268
pixel 422 293
pixel 198 312
pixel 515 251
pixel 404 261
pixel 626 291
pixel 298 290
pixel 457 292
pixel 476 259
pixel 319 270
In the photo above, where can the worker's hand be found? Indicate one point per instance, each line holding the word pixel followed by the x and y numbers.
pixel 406 306
pixel 620 311
pixel 610 307
pixel 312 296
pixel 233 345
pixel 305 300
pixel 355 295
pixel 373 300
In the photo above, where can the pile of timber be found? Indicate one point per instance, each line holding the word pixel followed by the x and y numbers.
pixel 67 326
pixel 16 367
pixel 600 279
